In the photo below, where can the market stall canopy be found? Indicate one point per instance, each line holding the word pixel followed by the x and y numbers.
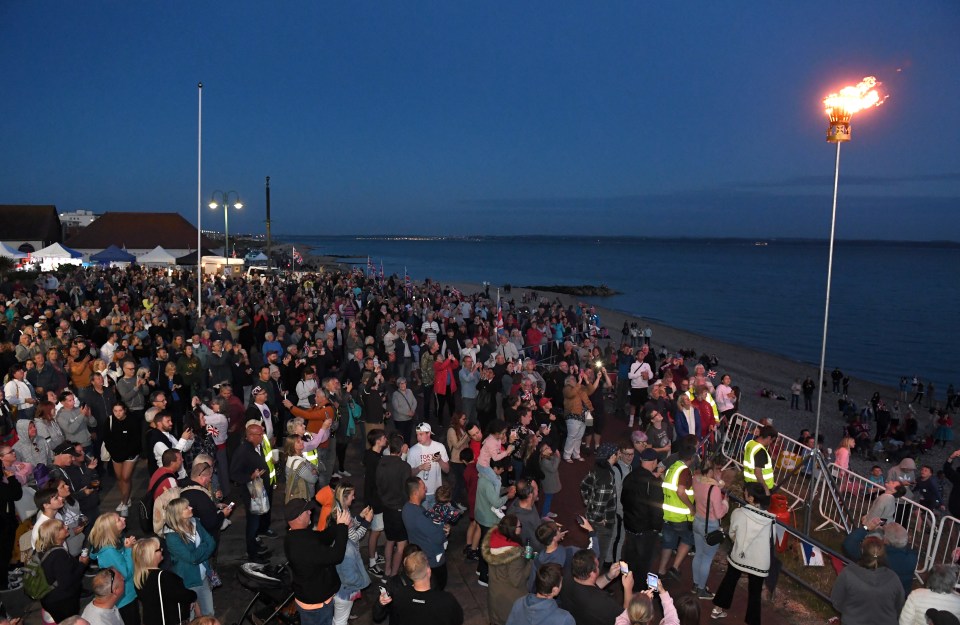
pixel 113 254
pixel 57 251
pixel 8 252
pixel 157 256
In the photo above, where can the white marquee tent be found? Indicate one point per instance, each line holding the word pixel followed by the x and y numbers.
pixel 8 252
pixel 157 256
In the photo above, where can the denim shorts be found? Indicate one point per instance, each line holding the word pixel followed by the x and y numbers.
pixel 675 533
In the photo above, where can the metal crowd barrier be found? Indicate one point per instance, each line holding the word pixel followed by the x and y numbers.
pixel 945 546
pixel 859 494
pixel 788 457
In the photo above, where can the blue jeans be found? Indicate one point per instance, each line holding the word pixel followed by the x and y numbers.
pixel 320 616
pixel 547 500
pixel 204 598
pixel 703 559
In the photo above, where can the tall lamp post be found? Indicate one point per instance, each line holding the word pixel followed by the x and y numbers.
pixel 224 201
pixel 840 107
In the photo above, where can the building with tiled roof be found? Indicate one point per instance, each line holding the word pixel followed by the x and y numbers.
pixel 138 233
pixel 29 227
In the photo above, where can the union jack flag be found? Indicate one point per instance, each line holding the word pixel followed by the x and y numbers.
pixel 499 312
pixel 297 258
pixel 408 285
pixel 370 269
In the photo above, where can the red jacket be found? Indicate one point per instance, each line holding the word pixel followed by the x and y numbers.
pixel 440 370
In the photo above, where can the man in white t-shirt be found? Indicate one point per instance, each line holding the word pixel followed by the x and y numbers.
pixel 427 459
pixel 640 375
pixel 107 591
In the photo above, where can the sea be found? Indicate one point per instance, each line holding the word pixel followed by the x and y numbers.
pixel 894 306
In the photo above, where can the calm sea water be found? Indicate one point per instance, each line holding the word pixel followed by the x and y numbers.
pixel 893 308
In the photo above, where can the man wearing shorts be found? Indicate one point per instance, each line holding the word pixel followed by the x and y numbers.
pixel 678 511
pixel 377 441
pixel 640 375
pixel 391 476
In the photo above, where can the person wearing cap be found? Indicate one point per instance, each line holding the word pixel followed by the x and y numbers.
pixel 313 558
pixel 599 493
pixel 428 460
pixel 642 500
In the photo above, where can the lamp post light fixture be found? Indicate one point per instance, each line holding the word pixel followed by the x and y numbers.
pixel 224 201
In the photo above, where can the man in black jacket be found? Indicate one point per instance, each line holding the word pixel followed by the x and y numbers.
pixel 313 558
pixel 392 474
pixel 642 498
pixel 247 465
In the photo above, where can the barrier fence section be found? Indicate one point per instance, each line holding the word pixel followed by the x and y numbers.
pixel 858 495
pixel 945 547
pixel 787 454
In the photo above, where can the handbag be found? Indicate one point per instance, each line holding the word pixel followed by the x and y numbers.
pixel 104 454
pixel 716 536
pixel 259 502
pixel 587 418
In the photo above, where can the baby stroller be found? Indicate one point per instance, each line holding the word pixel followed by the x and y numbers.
pixel 272 588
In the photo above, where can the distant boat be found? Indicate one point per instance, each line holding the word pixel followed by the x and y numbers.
pixel 760 243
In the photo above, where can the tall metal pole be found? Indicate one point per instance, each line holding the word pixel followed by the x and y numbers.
pixel 226 230
pixel 826 320
pixel 269 255
pixel 199 201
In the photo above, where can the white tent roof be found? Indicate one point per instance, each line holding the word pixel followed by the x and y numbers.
pixel 57 251
pixel 157 256
pixel 259 257
pixel 8 252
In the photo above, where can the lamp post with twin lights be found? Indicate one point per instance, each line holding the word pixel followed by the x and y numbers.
pixel 221 198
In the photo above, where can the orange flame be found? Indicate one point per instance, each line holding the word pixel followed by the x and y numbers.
pixel 855 98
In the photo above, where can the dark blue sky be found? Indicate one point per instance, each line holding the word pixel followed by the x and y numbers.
pixel 647 118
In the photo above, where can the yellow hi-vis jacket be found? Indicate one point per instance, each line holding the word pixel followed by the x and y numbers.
pixel 674 509
pixel 749 465
pixel 268 456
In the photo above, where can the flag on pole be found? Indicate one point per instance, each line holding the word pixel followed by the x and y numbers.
pixel 297 258
pixel 370 270
pixel 499 312
pixel 406 281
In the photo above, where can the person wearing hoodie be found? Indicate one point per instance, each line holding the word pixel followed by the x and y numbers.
pixel 540 607
pixel 868 593
pixel 751 529
pixel 508 569
pixel 30 447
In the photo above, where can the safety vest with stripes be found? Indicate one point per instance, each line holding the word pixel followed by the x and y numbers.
pixel 749 465
pixel 312 457
pixel 268 456
pixel 674 509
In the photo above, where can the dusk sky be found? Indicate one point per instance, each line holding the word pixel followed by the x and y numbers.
pixel 617 118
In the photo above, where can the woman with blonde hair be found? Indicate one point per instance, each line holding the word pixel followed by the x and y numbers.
pixel 111 550
pixel 164 597
pixel 352 572
pixel 63 571
pixel 190 547
pixel 638 607
pixel 842 461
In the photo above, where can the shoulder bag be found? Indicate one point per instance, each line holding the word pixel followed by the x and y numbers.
pixel 716 536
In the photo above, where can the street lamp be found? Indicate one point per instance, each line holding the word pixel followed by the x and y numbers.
pixel 224 198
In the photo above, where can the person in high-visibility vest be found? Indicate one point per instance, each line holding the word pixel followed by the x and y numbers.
pixel 678 512
pixel 757 463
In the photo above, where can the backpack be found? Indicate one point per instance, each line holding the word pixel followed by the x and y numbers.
pixel 35 582
pixel 144 507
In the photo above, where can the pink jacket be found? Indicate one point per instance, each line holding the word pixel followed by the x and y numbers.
pixel 669 612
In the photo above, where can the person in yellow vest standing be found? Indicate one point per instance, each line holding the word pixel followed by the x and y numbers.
pixel 678 512
pixel 259 413
pixel 757 463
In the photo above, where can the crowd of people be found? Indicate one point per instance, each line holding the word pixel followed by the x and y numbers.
pixel 441 403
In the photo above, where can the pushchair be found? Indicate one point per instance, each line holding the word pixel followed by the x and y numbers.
pixel 272 588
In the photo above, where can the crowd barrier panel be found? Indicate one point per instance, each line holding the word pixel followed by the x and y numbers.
pixel 946 546
pixel 859 493
pixel 788 457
